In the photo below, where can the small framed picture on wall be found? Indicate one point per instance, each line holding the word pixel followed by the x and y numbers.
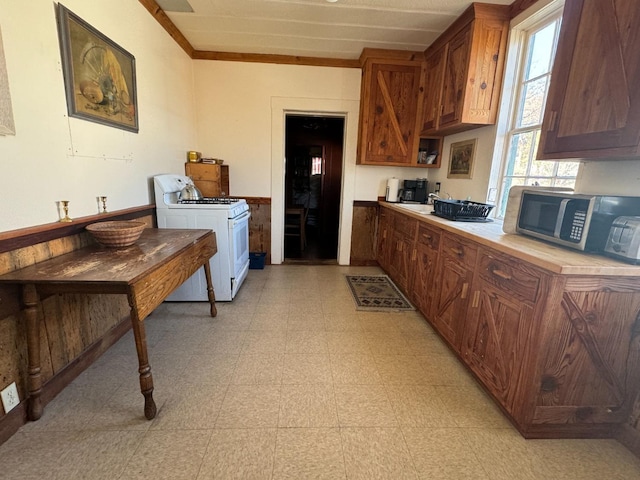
pixel 461 159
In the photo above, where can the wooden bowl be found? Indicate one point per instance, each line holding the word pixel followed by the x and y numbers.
pixel 116 233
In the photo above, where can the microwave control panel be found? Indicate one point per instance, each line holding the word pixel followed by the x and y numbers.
pixel 577 226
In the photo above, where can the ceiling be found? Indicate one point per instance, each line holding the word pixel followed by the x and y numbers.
pixel 312 28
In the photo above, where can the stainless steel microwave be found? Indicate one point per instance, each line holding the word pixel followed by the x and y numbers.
pixel 573 220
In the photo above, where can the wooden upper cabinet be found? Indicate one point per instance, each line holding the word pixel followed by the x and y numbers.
pixel 391 100
pixel 433 89
pixel 593 107
pixel 469 58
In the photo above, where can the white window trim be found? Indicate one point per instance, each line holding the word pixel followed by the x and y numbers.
pixel 540 13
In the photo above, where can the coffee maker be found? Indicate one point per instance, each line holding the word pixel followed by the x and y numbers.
pixel 414 191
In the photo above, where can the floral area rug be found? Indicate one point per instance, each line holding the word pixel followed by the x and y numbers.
pixel 377 293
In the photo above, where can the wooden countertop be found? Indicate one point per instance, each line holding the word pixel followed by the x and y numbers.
pixel 553 258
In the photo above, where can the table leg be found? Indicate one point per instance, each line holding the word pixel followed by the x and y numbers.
pixel 210 292
pixel 31 300
pixel 146 379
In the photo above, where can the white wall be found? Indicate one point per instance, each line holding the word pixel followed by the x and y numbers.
pixel 240 109
pixel 476 187
pixel 614 177
pixel 53 157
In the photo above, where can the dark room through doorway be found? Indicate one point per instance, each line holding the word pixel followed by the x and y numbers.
pixel 313 182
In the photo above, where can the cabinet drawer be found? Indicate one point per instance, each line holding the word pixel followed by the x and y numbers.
pixel 404 225
pixel 509 277
pixel 461 252
pixel 428 236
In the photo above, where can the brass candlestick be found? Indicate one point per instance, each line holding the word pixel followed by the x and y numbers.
pixel 65 207
pixel 104 204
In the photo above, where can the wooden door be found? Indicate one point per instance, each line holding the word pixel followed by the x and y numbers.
pixel 393 99
pixel 495 340
pixel 591 360
pixel 593 107
pixel 424 273
pixel 401 260
pixel 455 78
pixel 384 238
pixel 451 299
pixel 433 90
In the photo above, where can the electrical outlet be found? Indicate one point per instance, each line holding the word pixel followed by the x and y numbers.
pixel 10 397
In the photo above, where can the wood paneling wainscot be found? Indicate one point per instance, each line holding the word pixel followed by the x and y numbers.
pixel 260 226
pixel 76 329
pixel 363 233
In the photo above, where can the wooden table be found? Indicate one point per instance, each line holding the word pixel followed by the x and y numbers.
pixel 147 272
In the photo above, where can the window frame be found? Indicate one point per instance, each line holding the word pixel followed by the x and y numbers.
pixel 512 96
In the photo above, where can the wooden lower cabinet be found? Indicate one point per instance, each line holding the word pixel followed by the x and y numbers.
pixel 401 250
pixel 588 372
pixel 452 288
pixel 423 275
pixel 384 237
pixel 498 331
pixel 560 354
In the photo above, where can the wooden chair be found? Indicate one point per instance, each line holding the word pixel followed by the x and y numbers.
pixel 295 221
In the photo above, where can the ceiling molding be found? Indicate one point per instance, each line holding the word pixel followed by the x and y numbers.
pixel 162 18
pixel 519 6
pixel 279 59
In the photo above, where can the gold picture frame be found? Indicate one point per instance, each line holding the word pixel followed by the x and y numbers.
pixel 99 75
pixel 461 159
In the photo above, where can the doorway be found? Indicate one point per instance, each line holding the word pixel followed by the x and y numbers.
pixel 313 179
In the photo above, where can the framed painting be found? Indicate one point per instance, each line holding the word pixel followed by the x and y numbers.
pixel 461 161
pixel 99 75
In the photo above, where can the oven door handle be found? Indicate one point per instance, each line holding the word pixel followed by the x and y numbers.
pixel 244 217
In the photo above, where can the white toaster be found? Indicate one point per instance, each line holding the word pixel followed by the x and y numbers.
pixel 624 239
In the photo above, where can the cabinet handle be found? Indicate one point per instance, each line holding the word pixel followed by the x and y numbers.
pixel 553 120
pixel 384 234
pixel 465 290
pixel 427 237
pixel 458 251
pixel 413 255
pixel 501 273
pixel 476 299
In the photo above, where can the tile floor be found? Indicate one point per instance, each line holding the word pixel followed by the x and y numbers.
pixel 291 382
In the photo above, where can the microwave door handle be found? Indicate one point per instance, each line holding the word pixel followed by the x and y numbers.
pixel 561 211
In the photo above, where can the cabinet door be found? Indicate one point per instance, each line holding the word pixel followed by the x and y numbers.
pixel 455 78
pixel 424 273
pixel 433 90
pixel 401 259
pixel 207 178
pixel 591 358
pixel 402 255
pixel 392 99
pixel 384 238
pixel 495 340
pixel 455 273
pixel 593 107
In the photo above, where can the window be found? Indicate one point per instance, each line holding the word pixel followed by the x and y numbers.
pixel 539 44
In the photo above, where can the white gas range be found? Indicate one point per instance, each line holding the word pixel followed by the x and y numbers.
pixel 227 217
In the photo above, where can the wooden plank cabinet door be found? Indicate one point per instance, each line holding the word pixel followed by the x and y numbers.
pixel 455 79
pixel 392 100
pixel 423 284
pixel 384 238
pixel 495 340
pixel 401 258
pixel 591 360
pixel 433 90
pixel 451 299
pixel 593 107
